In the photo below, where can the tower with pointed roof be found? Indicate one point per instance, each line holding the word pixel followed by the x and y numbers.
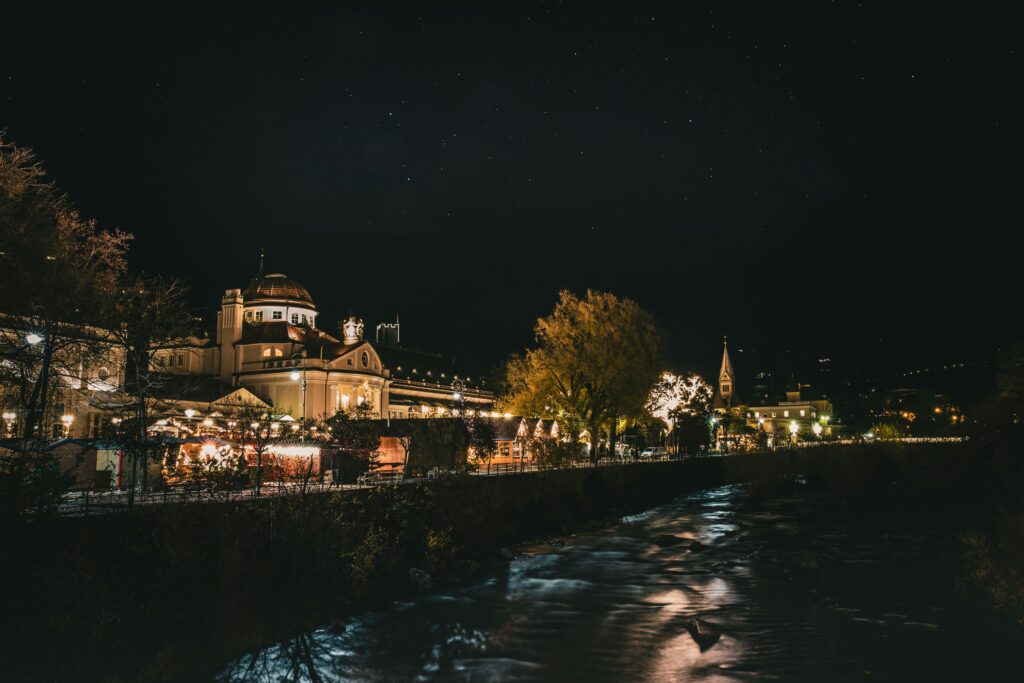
pixel 726 378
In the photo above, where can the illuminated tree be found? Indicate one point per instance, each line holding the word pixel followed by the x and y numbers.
pixel 57 272
pixel 682 402
pixel 594 364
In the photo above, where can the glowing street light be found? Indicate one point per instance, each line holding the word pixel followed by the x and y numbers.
pixel 794 427
pixel 189 413
pixel 33 338
pixel 295 378
pixel 816 429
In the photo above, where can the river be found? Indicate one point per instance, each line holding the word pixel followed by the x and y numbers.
pixel 790 588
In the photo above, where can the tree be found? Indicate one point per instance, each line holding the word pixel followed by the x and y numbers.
pixel 147 315
pixel 674 397
pixel 554 454
pixel 482 438
pixel 356 433
pixel 595 362
pixel 57 272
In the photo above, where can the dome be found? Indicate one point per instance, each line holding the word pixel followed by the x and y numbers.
pixel 277 287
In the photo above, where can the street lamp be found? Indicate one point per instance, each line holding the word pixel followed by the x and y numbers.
pixel 33 338
pixel 816 429
pixel 295 378
pixel 66 420
pixel 794 427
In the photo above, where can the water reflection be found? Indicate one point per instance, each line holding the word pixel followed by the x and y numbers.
pixel 792 590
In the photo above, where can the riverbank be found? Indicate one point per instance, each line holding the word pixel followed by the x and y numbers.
pixel 165 592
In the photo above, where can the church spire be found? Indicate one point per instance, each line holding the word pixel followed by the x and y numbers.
pixel 726 377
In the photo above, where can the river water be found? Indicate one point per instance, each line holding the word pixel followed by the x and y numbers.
pixel 794 588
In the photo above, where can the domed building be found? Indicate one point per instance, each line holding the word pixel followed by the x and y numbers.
pixel 268 340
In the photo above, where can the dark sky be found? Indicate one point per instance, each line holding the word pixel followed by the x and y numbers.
pixel 840 181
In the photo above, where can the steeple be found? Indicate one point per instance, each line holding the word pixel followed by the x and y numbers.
pixel 726 377
pixel 260 270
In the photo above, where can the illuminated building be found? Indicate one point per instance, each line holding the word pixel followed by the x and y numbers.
pixel 268 340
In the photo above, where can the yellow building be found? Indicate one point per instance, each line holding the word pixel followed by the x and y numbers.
pixel 269 341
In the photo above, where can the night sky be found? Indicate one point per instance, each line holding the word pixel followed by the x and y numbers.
pixel 836 182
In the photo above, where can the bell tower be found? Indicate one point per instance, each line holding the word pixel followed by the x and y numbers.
pixel 726 377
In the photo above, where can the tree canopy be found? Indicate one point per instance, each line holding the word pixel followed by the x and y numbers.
pixel 595 361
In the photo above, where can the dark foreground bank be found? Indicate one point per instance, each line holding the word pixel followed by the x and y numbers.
pixel 173 592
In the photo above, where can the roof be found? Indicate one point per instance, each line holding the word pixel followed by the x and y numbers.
pixel 283 332
pixel 726 363
pixel 195 388
pixel 277 287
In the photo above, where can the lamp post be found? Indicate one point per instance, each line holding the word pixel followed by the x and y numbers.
pixel 794 427
pixel 37 403
pixel 295 378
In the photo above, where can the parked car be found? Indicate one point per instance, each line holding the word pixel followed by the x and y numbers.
pixel 653 453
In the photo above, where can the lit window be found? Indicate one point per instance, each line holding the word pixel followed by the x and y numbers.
pixel 785 413
pixel 757 414
pixel 277 315
pixel 266 353
pixel 278 352
pixel 803 413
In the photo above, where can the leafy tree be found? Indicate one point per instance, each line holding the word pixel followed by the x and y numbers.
pixel 886 431
pixel 691 433
pixel 554 454
pixel 482 437
pixel 356 434
pixel 595 362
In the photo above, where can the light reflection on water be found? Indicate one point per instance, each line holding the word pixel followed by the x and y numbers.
pixel 797 594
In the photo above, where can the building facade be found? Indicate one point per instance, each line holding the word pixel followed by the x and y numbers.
pixel 268 341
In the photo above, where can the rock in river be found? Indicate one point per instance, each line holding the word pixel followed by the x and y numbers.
pixel 420 579
pixel 703 633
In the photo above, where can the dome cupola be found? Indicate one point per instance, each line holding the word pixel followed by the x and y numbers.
pixel 278 298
